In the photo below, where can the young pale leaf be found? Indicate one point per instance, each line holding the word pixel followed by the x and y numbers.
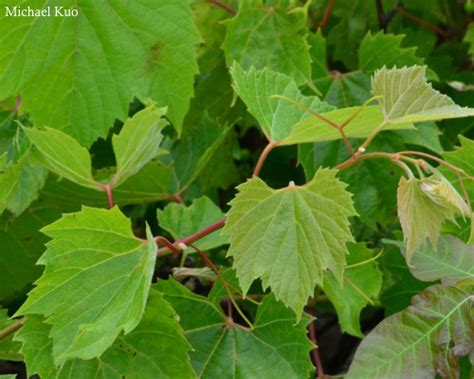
pixel 82 72
pixel 269 37
pixel 424 340
pixel 442 192
pixel 10 174
pixel 181 221
pixel 316 130
pixel 275 348
pixel 361 283
pixel 419 216
pixel 138 142
pixel 275 116
pixel 288 237
pixel 9 349
pixel 156 348
pixel 63 155
pixel 381 49
pixel 90 247
pixel 450 261
pixel 408 97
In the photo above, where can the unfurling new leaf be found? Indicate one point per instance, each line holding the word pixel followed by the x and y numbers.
pixel 423 206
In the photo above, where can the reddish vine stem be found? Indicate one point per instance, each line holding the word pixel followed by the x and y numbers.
pixel 221 5
pixel 168 244
pixel 107 188
pixel 263 157
pixel 315 352
pixel 12 328
pixel 193 237
pixel 327 14
pixel 425 24
pixel 436 159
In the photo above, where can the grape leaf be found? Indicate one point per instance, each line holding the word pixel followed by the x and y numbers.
pixel 154 182
pixel 381 49
pixel 361 283
pixel 424 340
pixel 269 37
pixel 82 71
pixel 469 38
pixel 155 348
pixel 288 237
pixel 86 318
pixel 203 142
pixel 461 157
pixel 375 203
pixel 450 261
pixel 63 155
pixel 408 97
pixel 21 246
pixel 420 217
pixel 345 90
pixel 37 347
pixel 275 116
pixel 9 349
pixel 138 142
pixel 223 350
pixel 355 17
pixel 399 285
pixel 319 67
pixel 316 130
pixel 181 221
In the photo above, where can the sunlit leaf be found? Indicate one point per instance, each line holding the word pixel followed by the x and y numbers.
pixel 408 97
pixel 288 237
pixel 90 247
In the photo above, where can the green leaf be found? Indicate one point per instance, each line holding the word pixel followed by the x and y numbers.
pixel 450 261
pixel 21 245
pixel 82 72
pixel 37 347
pixel 361 283
pixel 345 90
pixel 9 349
pixel 399 285
pixel 381 49
pixel 375 203
pixel 408 97
pixel 316 130
pixel 422 341
pixel 276 347
pixel 469 38
pixel 461 157
pixel 319 67
pixel 420 217
pixel 354 18
pixel 288 237
pixel 138 142
pixel 63 155
pixel 156 348
pixel 203 153
pixel 90 247
pixel 275 116
pixel 181 221
pixel 269 37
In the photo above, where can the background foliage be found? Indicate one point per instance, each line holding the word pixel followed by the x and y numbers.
pixel 131 134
